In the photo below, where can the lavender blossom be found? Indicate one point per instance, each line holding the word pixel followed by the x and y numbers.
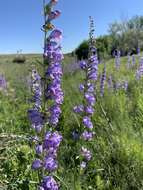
pixel 36 164
pixel 87 136
pixel 3 83
pixel 86 154
pixel 139 72
pixel 47 101
pixel 87 122
pixel 49 183
pixel 86 110
pixel 50 164
pixel 90 98
pixel 78 109
pixel 83 165
pixel 138 50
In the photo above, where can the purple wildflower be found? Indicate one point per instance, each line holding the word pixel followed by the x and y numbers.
pixel 39 149
pixel 90 87
pixel 3 83
pixel 36 164
pixel 52 140
pixel 81 87
pixel 50 164
pixel 36 88
pixel 83 64
pixel 83 165
pixel 55 34
pixel 36 119
pixel 139 72
pixel 87 122
pixel 54 14
pixel 87 136
pixel 49 183
pixel 78 109
pixel 89 110
pixel 90 98
pixel 90 67
pixel 40 116
pixel 86 153
pixel 138 50
pixel 125 85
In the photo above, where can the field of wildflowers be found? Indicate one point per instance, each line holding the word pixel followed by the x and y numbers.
pixel 71 125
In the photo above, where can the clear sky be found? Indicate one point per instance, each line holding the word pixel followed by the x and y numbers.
pixel 21 20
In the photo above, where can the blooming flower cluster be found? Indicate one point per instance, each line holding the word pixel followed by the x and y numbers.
pixel 90 67
pixel 121 85
pixel 3 83
pixel 139 72
pixel 54 73
pixel 138 51
pixel 102 81
pixel 47 112
pixel 49 183
pixel 35 114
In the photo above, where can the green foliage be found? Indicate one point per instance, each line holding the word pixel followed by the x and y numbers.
pixel 82 50
pixel 126 35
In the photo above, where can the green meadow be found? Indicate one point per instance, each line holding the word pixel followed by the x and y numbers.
pixel 117 147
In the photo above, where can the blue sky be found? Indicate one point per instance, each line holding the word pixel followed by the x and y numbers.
pixel 21 20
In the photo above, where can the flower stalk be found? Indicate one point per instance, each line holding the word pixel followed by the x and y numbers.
pixel 86 110
pixel 44 116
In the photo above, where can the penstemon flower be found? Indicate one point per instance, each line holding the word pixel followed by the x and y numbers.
pixel 47 105
pixel 139 72
pixel 121 85
pixel 35 114
pixel 90 67
pixel 138 51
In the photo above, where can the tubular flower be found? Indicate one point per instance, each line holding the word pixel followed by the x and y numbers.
pixel 34 114
pixel 3 83
pixel 139 72
pixel 46 108
pixel 49 183
pixel 86 110
pixel 86 154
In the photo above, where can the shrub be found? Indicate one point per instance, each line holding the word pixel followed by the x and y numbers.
pixel 19 59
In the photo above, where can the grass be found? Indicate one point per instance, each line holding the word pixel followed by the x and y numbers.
pixel 117 162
